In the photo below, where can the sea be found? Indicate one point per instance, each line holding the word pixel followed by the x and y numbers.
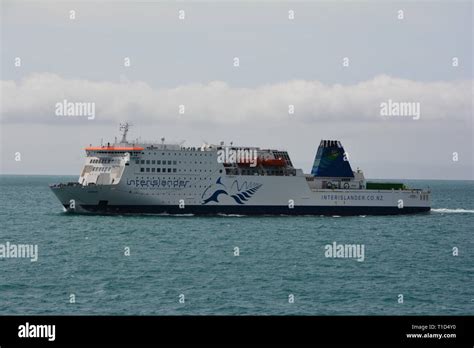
pixel 235 265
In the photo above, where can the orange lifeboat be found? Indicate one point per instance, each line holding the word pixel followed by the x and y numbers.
pixel 277 162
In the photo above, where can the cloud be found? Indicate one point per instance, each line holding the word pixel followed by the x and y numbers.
pixel 33 100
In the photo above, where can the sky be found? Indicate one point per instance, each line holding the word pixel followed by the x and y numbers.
pixel 334 62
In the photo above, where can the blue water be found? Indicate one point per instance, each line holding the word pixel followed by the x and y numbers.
pixel 84 255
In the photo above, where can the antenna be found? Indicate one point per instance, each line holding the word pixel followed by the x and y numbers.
pixel 124 129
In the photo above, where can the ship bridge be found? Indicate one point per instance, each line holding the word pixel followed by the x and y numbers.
pixel 105 164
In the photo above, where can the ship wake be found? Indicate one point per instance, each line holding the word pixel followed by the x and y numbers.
pixel 453 211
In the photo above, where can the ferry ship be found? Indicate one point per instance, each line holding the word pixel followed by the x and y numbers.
pixel 162 178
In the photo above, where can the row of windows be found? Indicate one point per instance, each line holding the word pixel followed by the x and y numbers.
pixel 114 152
pixel 169 162
pixel 153 162
pixel 178 154
pixel 158 170
pixel 101 169
pixel 170 170
pixel 170 178
pixel 101 161
pixel 267 172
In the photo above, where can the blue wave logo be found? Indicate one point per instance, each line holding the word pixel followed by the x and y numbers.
pixel 240 193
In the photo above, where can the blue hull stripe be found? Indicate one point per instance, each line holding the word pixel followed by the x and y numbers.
pixel 250 210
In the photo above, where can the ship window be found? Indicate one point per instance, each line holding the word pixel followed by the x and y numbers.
pixel 174 170
pixel 158 170
pixel 174 162
pixel 158 162
pixel 143 161
pixel 148 169
pixel 147 161
pixel 153 170
pixel 169 170
pixel 142 169
pixel 164 170
pixel 153 162
pixel 220 170
pixel 169 162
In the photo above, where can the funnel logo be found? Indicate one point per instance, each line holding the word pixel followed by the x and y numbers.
pixel 239 193
pixel 333 155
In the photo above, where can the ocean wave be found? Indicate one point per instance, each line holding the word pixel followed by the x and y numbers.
pixel 446 210
pixel 230 215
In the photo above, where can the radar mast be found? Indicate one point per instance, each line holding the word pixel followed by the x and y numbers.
pixel 124 129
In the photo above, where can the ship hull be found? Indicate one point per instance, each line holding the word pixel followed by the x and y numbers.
pixel 116 199
pixel 249 210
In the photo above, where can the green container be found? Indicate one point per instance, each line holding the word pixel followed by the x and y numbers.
pixel 384 186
